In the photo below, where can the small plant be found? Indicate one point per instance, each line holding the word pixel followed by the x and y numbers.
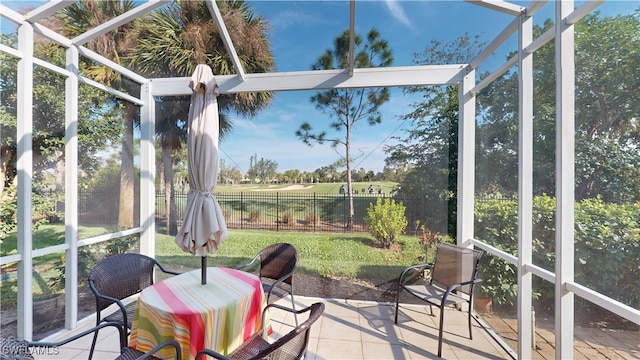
pixel 254 216
pixel 312 219
pixel 287 218
pixel 386 221
pixel 428 240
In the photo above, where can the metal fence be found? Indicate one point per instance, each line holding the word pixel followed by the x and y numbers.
pixel 279 211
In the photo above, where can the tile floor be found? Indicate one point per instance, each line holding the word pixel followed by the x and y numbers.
pixel 347 330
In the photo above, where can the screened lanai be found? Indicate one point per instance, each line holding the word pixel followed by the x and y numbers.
pixel 142 94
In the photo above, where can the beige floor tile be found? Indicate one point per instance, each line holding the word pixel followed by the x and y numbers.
pixel 332 349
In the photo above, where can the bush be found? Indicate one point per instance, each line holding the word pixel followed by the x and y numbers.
pixel 607 248
pixel 287 218
pixel 254 216
pixel 386 221
pixel 312 219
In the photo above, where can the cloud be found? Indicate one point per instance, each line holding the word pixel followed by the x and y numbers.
pixel 397 12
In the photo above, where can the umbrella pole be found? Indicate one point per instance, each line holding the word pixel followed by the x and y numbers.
pixel 204 270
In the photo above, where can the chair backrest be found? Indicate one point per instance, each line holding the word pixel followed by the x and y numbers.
pixel 121 276
pixel 293 345
pixel 278 260
pixel 455 264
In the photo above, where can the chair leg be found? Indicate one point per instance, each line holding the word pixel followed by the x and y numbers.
pixel 293 306
pixel 440 332
pixel 470 333
pixel 397 303
pixel 93 344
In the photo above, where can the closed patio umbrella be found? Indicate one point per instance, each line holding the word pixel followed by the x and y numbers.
pixel 203 227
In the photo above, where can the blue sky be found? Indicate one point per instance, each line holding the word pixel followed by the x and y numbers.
pixel 302 30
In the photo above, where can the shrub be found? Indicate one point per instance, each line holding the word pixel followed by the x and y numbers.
pixel 607 248
pixel 254 215
pixel 386 221
pixel 287 218
pixel 312 219
pixel 428 240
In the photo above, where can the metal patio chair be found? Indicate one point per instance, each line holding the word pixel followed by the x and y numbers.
pixel 291 346
pixel 116 278
pixel 448 281
pixel 277 262
pixel 14 349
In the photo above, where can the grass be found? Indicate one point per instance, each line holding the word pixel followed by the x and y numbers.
pixel 354 256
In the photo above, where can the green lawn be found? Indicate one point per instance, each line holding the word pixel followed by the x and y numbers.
pixel 328 254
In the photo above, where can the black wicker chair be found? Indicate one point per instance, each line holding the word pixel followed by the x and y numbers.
pixel 278 262
pixel 116 278
pixel 291 346
pixel 14 349
pixel 449 281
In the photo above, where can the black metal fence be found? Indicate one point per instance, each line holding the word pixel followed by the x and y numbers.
pixel 278 211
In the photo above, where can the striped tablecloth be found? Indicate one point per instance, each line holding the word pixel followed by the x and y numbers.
pixel 219 315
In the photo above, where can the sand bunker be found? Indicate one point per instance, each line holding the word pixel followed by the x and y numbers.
pixel 290 187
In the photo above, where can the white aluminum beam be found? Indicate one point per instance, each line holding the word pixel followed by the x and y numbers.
pixel 525 187
pixel 24 167
pixel 605 302
pixel 320 79
pixel 47 9
pixel 52 35
pixel 499 5
pixel 565 180
pixel 352 34
pixel 11 51
pixel 147 172
pixel 226 38
pixel 582 11
pixel 118 21
pixel 14 16
pixel 466 159
pixel 112 65
pixel 71 187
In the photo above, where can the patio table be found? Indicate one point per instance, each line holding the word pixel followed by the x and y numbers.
pixel 219 315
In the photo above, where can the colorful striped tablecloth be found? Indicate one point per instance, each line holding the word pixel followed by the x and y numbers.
pixel 220 315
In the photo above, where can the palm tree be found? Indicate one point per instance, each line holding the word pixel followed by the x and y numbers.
pixel 77 19
pixel 176 38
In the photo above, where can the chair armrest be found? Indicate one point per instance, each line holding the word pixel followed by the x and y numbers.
pixel 202 354
pixel 418 268
pixel 253 261
pixel 166 271
pixel 162 345
pixel 455 286
pixel 118 302
pixel 280 280
pixel 80 335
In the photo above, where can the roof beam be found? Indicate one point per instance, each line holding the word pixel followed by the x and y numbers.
pixel 46 10
pixel 320 79
pixel 499 5
pixel 118 21
pixel 352 21
pixel 226 38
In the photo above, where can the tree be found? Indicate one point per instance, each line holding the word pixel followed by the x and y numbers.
pixel 346 107
pixel 607 127
pixel 85 15
pixel 97 127
pixel 176 38
pixel 429 151
pixel 264 170
pixel 229 175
